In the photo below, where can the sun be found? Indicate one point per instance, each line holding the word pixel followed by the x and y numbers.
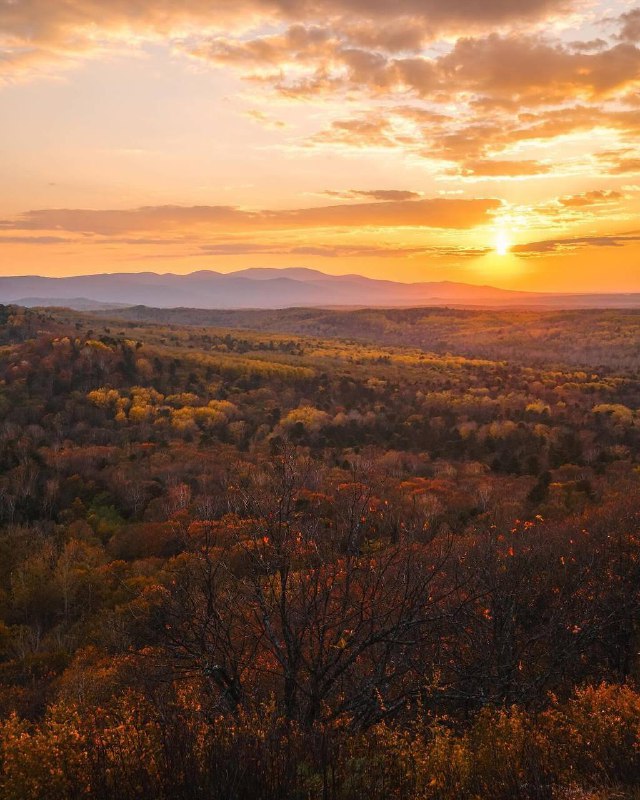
pixel 502 243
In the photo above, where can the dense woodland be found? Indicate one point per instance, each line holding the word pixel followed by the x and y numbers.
pixel 382 554
pixel 596 338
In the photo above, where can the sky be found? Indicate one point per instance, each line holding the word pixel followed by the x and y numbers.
pixel 485 141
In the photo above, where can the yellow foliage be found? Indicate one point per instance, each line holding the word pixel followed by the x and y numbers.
pixel 312 418
pixel 103 398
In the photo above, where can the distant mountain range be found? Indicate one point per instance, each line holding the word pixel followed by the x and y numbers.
pixel 275 288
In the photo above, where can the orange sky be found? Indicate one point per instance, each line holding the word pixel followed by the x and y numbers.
pixel 489 142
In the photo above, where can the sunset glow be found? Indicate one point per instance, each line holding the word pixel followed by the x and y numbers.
pixel 502 243
pixel 348 136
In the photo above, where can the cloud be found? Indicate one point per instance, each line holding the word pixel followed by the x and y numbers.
pixel 306 60
pixel 480 144
pixel 376 194
pixel 45 30
pixel 590 46
pixel 423 213
pixel 619 162
pixel 192 247
pixel 460 11
pixel 327 46
pixel 46 21
pixel 265 120
pixel 377 49
pixel 595 197
pixel 37 240
pixel 339 251
pixel 630 30
pixel 562 245
pixel 534 69
pixel 114 222
pixel 372 129
pixel 499 168
pixel 626 166
pixel 298 43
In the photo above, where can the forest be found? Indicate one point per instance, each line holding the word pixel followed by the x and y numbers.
pixel 546 337
pixel 319 555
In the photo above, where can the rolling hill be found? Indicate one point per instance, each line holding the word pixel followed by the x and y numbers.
pixel 274 288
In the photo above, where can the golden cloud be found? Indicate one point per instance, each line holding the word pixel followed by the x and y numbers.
pixel 477 143
pixel 37 31
pixel 595 197
pixel 427 213
pixel 491 168
pixel 375 194
pixel 563 245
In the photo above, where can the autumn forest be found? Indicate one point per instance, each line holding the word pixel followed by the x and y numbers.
pixel 319 554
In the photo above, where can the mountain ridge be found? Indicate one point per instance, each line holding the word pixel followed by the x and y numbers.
pixel 273 288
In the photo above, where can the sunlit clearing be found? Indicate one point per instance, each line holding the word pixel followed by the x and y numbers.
pixel 502 243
